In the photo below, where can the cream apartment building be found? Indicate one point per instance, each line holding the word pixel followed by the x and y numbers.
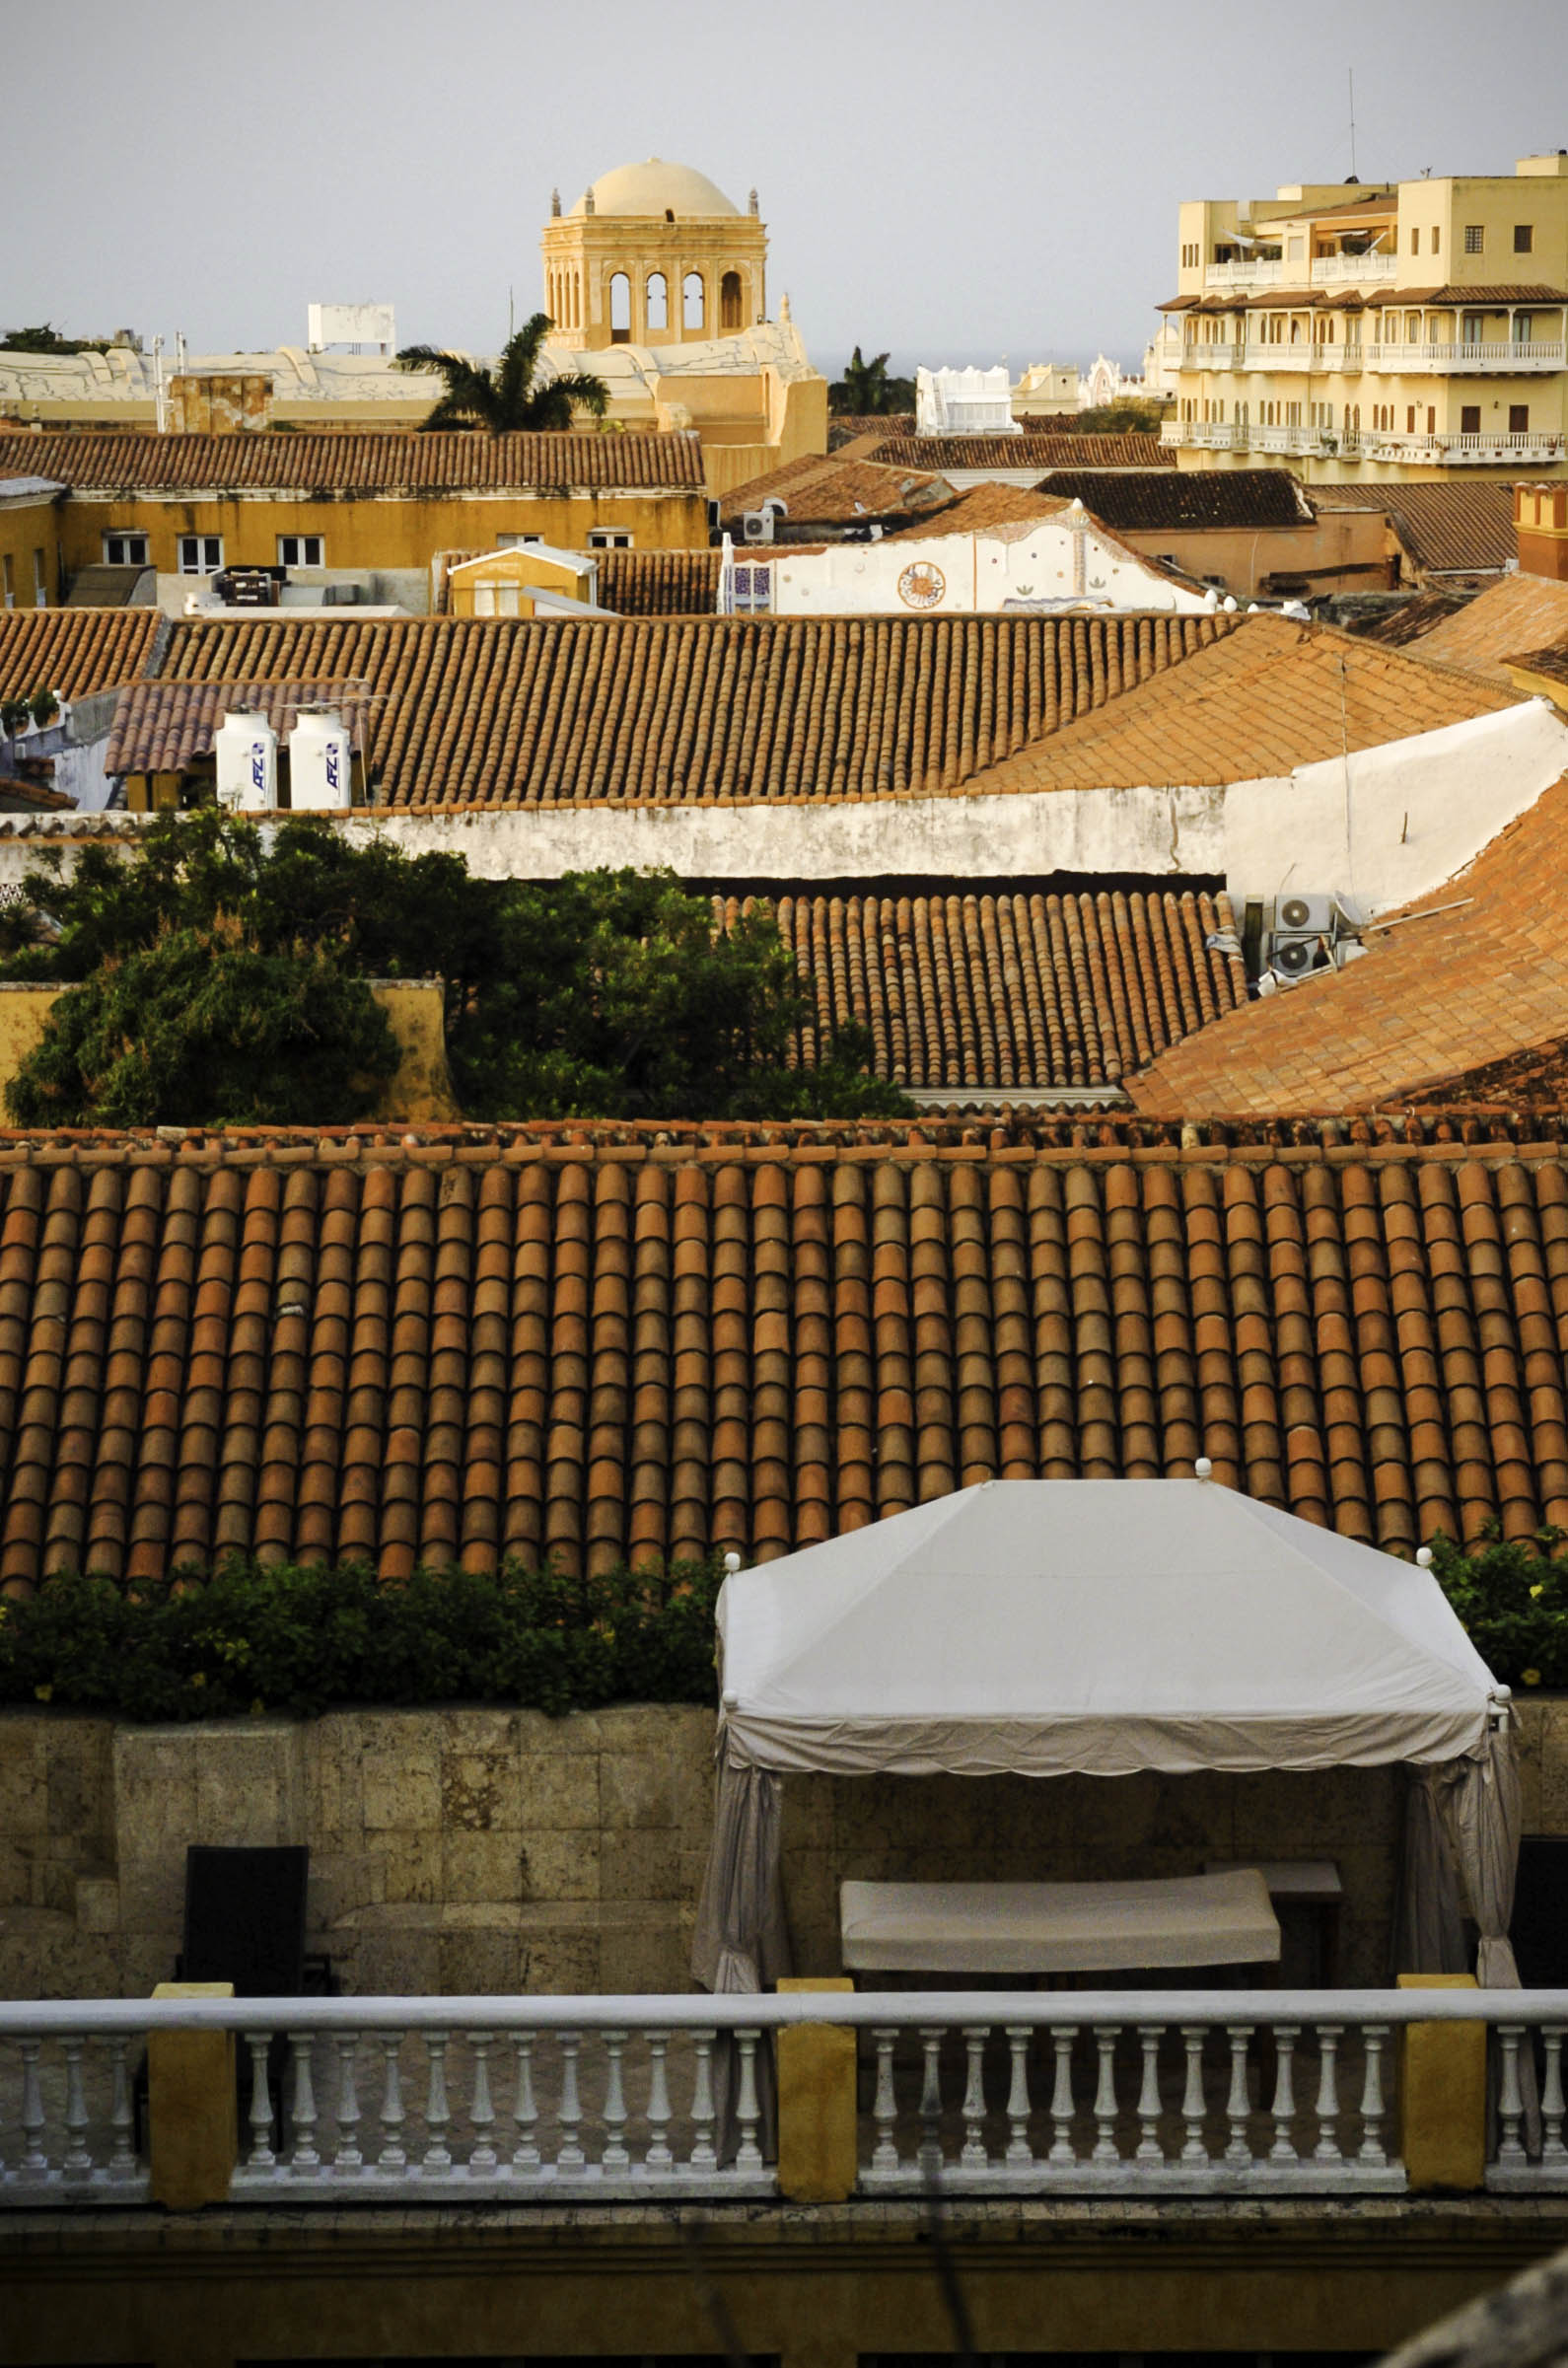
pixel 1378 332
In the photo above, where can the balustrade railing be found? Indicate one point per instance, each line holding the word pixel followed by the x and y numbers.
pixel 1158 2092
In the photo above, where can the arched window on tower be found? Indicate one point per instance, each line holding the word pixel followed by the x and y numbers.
pixel 730 301
pixel 620 310
pixel 694 301
pixel 658 300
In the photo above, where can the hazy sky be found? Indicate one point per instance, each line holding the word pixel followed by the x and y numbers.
pixel 951 181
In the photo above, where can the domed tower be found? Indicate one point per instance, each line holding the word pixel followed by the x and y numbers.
pixel 654 254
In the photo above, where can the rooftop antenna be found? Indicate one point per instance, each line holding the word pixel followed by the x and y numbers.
pixel 1351 72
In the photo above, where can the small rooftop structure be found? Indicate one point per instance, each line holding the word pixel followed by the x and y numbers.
pixel 965 403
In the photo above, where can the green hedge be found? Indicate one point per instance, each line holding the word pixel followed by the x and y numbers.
pixel 297 1640
pixel 301 1640
pixel 1513 1599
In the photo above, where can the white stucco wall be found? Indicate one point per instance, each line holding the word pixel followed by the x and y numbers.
pixel 979 572
pixel 1417 810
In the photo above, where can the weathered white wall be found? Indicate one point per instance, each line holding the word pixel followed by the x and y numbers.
pixel 1392 822
pixel 979 572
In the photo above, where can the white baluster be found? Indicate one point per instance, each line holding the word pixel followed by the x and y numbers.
pixel 481 2112
pixel 1019 2150
pixel 1283 2149
pixel 885 2109
pixel 930 2155
pixel 748 2113
pixel 1239 2104
pixel 304 2156
pixel 1195 2106
pixel 76 2159
pixel 525 2111
pixel 436 2160
pixel 1062 2038
pixel 34 2156
pixel 1511 2099
pixel 1105 2094
pixel 122 2152
pixel 1553 2149
pixel 346 2155
pixel 974 2156
pixel 615 2156
pixel 263 2157
pixel 570 2156
pixel 659 2156
pixel 1373 2036
pixel 393 2155
pixel 704 2156
pixel 1327 2149
pixel 1149 2149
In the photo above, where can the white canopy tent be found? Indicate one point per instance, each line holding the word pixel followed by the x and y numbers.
pixel 1046 1627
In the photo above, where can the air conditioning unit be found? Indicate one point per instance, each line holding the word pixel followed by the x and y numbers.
pixel 756 526
pixel 1301 934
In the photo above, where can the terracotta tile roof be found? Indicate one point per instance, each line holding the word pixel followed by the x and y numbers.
pixel 164 726
pixel 982 510
pixel 592 1342
pixel 499 711
pixel 1517 612
pixel 1269 696
pixel 1078 450
pixel 847 427
pixel 73 651
pixel 32 797
pixel 836 491
pixel 1445 528
pixel 1013 991
pixel 1411 620
pixel 385 460
pixel 1553 662
pixel 1473 976
pixel 1183 498
pixel 659 583
pixel 1455 292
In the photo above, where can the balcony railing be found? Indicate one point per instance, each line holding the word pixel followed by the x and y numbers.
pixel 1383 444
pixel 1216 354
pixel 1495 354
pixel 1147 2092
pixel 1352 270
pixel 1244 274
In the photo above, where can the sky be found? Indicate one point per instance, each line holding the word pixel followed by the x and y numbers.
pixel 951 185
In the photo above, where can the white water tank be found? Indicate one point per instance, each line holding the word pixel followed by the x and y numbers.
pixel 247 750
pixel 319 761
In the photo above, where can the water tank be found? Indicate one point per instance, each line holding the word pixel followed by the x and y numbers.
pixel 319 778
pixel 247 750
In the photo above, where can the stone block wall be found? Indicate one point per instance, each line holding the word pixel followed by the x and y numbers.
pixel 491 1850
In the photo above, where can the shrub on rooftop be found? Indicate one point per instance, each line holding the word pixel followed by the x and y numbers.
pixel 1512 1596
pixel 300 1640
pixel 223 979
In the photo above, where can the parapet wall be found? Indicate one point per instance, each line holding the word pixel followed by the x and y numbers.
pixel 469 1850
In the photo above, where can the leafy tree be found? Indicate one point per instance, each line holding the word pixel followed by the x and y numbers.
pixel 1134 415
pixel 223 977
pixel 506 398
pixel 46 338
pixel 866 390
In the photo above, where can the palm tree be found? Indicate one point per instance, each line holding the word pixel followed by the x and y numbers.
pixel 506 398
pixel 867 391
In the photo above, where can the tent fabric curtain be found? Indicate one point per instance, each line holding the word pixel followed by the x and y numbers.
pixel 1429 1926
pixel 742 1943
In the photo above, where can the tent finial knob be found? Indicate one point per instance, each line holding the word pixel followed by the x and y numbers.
pixel 732 1560
pixel 1423 1555
pixel 1204 1469
pixel 731 1701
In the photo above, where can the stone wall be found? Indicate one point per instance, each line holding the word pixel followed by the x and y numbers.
pixel 473 1850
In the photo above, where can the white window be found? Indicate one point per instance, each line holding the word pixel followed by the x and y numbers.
pixel 40 585
pixel 754 589
pixel 515 542
pixel 200 554
pixel 609 539
pixel 124 550
pixel 300 550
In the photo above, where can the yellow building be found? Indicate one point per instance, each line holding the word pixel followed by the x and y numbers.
pixel 29 535
pixel 527 581
pixel 1378 332
pixel 652 254
pixel 330 507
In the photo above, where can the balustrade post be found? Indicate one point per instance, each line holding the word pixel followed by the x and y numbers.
pixel 1373 2036
pixel 76 2159
pixel 304 2156
pixel 1327 2149
pixel 1194 2105
pixel 1510 2097
pixel 1061 2150
pixel 1020 2153
pixel 122 2121
pixel 1553 2149
pixel 974 2156
pixel 704 2154
pixel 930 2157
pixel 615 2157
pixel 570 2155
pixel 1149 2148
pixel 346 2155
pixel 525 2111
pixel 34 2159
pixel 261 2156
pixel 393 2157
pixel 1283 2150
pixel 885 2107
pixel 748 2113
pixel 659 2156
pixel 1239 2104
pixel 1104 2149
pixel 481 2112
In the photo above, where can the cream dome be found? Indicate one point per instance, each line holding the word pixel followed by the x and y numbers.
pixel 655 189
